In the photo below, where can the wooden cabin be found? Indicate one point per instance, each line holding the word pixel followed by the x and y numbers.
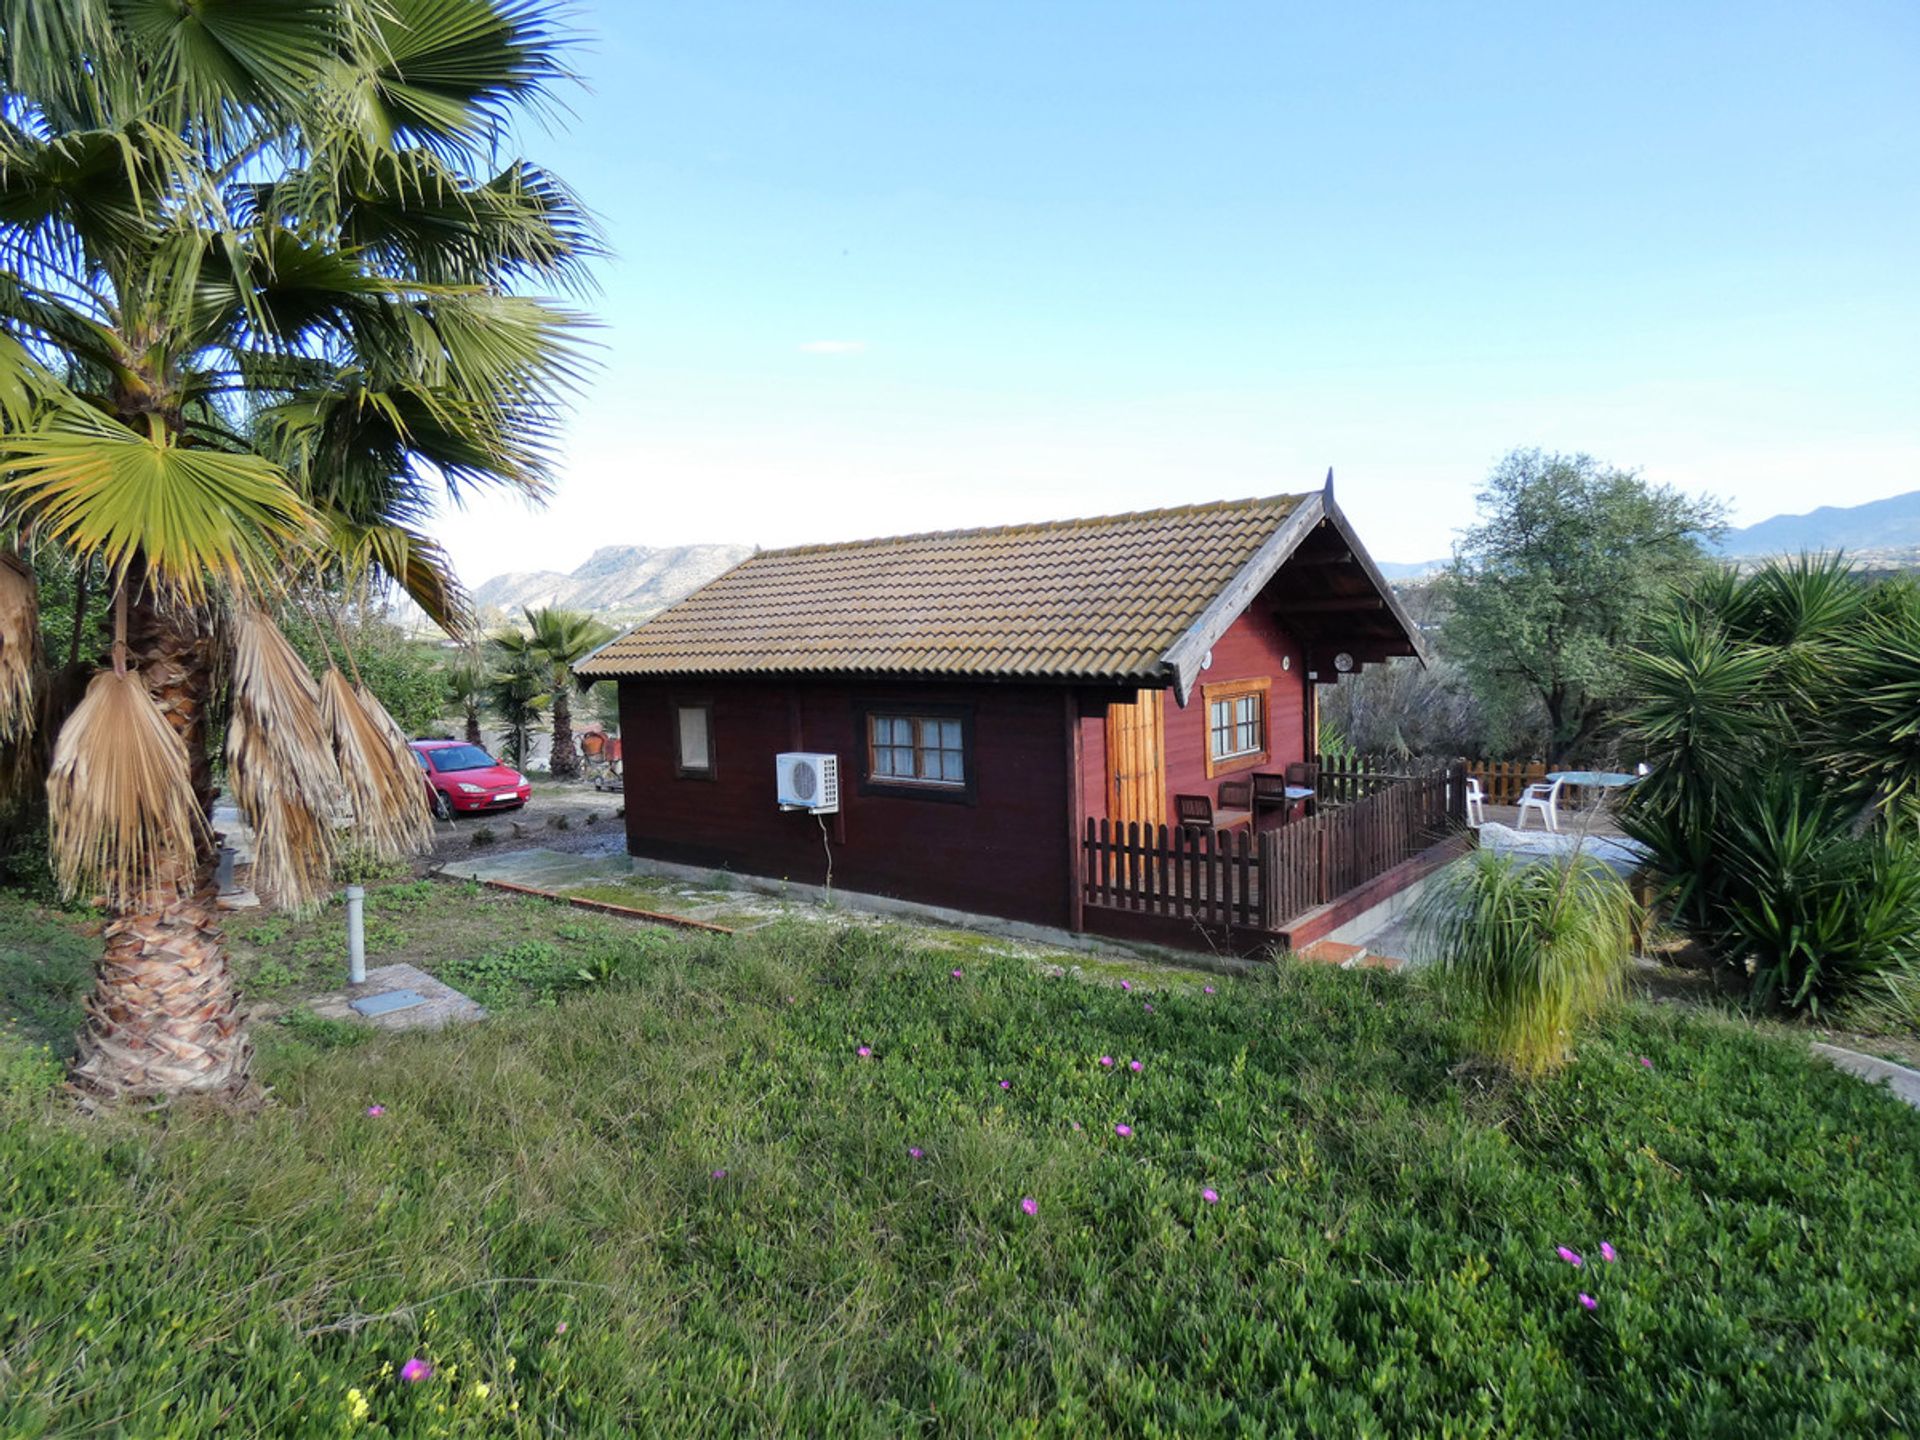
pixel 1003 702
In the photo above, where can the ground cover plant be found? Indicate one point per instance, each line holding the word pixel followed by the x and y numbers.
pixel 823 1181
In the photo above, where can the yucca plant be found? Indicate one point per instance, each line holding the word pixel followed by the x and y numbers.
pixel 1778 710
pixel 1810 903
pixel 263 286
pixel 1531 947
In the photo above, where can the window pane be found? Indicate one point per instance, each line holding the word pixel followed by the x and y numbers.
pixel 951 768
pixel 696 751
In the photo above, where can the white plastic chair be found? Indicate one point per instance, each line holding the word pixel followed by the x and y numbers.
pixel 1476 802
pixel 1546 799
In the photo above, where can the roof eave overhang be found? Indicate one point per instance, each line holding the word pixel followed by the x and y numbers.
pixel 1181 663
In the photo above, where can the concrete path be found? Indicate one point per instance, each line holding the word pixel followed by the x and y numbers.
pixel 1904 1083
pixel 542 869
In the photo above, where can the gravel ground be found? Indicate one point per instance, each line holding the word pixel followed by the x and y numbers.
pixel 561 816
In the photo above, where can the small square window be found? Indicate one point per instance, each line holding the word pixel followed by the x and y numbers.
pixel 1236 723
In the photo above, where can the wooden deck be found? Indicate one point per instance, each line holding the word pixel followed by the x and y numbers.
pixel 1244 890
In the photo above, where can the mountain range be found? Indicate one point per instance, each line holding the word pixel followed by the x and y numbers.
pixel 1879 534
pixel 620 584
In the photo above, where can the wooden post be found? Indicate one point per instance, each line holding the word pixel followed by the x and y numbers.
pixel 1076 856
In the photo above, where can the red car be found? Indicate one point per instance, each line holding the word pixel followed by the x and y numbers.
pixel 465 778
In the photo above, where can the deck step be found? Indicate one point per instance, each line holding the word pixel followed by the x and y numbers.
pixel 1333 952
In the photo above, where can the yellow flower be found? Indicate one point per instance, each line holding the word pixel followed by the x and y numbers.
pixel 357 1405
pixel 481 1390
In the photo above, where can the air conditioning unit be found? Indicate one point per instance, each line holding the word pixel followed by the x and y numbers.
pixel 807 781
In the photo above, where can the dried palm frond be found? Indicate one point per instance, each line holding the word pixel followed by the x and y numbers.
pixel 19 648
pixel 280 764
pixel 391 815
pixel 124 820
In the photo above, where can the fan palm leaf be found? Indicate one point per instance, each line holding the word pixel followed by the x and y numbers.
pixel 392 817
pixel 280 763
pixel 19 649
pixel 119 797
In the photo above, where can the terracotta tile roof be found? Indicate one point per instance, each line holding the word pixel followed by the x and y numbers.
pixel 1099 599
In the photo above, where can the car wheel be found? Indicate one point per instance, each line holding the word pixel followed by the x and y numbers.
pixel 442 807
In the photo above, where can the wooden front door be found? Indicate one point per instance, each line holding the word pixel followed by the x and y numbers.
pixel 1137 760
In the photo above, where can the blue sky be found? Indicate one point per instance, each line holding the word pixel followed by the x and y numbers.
pixel 893 267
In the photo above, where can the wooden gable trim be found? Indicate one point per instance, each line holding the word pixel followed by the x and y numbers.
pixel 1183 658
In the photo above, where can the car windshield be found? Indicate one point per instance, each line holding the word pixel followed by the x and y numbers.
pixel 460 757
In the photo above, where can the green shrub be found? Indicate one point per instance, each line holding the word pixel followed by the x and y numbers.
pixel 1811 905
pixel 1778 712
pixel 1534 948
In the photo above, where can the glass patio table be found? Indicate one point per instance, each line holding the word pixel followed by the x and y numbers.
pixel 1605 781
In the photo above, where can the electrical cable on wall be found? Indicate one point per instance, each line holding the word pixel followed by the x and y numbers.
pixel 826 843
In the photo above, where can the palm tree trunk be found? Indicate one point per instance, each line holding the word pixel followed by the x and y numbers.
pixel 164 1016
pixel 474 736
pixel 564 763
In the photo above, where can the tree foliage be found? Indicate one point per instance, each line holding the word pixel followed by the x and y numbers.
pixel 1566 567
pixel 267 291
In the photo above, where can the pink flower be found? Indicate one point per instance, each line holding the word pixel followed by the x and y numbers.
pixel 1608 1253
pixel 1206 989
pixel 1572 1257
pixel 561 1328
pixel 376 1111
pixel 956 974
pixel 1006 1084
pixel 1211 1196
pixel 1126 984
pixel 719 1175
pixel 916 1152
pixel 1030 1205
pixel 1125 1132
pixel 415 1370
pixel 1149 1007
pixel 1076 1124
pixel 1588 1301
pixel 790 1000
pixel 1107 1060
pixel 1135 1066
pixel 1646 1063
pixel 865 1052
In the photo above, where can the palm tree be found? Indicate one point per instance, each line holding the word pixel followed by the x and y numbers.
pixel 564 638
pixel 467 688
pixel 260 285
pixel 517 687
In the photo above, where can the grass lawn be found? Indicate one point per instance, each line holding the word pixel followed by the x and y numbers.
pixel 683 1203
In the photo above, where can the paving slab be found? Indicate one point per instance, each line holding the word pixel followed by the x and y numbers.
pixel 438 1004
pixel 1903 1082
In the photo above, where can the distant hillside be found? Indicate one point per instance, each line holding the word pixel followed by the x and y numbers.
pixel 1881 534
pixel 620 584
pixel 1865 530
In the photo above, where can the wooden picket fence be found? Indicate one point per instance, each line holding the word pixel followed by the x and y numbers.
pixel 1235 880
pixel 1316 860
pixel 1211 876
